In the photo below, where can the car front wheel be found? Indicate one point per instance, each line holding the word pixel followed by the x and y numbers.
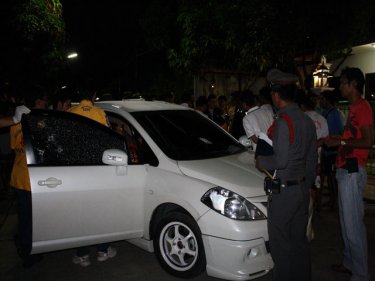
pixel 178 245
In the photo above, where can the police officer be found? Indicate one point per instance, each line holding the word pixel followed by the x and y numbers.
pixel 294 160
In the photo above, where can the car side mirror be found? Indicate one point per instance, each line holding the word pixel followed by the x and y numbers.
pixel 115 157
pixel 118 158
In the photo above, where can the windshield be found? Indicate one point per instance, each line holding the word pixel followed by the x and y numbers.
pixel 187 135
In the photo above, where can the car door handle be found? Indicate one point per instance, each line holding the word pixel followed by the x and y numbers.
pixel 50 182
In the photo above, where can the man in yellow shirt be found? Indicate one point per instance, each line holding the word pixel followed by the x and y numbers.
pixel 86 108
pixel 20 180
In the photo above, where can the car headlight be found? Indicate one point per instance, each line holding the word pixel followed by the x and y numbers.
pixel 231 204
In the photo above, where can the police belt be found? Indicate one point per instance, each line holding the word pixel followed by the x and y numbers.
pixel 292 182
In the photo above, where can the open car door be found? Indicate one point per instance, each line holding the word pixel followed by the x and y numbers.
pixel 77 199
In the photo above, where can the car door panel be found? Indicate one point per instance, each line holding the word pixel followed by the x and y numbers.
pixel 75 205
pixel 87 196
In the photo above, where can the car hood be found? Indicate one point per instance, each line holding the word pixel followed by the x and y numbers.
pixel 236 173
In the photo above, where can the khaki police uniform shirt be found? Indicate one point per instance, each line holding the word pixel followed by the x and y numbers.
pixel 299 159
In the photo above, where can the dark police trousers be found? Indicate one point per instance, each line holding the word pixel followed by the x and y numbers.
pixel 287 221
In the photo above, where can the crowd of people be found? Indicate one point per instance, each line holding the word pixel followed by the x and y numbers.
pixel 238 114
pixel 301 136
pixel 312 145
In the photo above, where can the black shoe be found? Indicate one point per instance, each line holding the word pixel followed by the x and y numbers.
pixel 30 260
pixel 340 268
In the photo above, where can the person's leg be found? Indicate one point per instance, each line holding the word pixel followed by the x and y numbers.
pixel 323 179
pixel 309 228
pixel 332 185
pixel 102 247
pixel 280 214
pixel 331 180
pixel 24 228
pixel 351 209
pixel 301 262
pixel 82 257
pixel 105 251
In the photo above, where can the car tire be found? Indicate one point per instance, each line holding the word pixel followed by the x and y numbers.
pixel 179 247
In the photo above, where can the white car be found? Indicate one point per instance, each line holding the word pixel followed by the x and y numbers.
pixel 163 177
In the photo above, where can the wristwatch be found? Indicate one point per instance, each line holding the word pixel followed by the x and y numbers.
pixel 342 142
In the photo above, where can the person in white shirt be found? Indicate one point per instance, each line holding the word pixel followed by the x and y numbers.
pixel 265 100
pixel 307 105
pixel 320 124
pixel 256 120
pixel 9 121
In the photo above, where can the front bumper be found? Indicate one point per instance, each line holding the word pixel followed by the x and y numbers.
pixel 236 260
pixel 235 250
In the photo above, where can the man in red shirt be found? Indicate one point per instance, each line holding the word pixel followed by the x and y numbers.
pixel 354 146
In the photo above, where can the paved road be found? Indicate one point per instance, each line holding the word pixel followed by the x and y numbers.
pixel 133 263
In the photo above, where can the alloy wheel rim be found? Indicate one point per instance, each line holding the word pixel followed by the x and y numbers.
pixel 179 246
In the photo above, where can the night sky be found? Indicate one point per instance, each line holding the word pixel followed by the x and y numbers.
pixel 111 45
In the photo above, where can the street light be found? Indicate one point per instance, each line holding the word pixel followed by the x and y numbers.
pixel 71 69
pixel 72 55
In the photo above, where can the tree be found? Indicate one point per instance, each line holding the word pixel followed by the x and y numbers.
pixel 33 36
pixel 256 35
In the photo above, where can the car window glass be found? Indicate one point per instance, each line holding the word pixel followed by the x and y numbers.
pixel 138 150
pixel 187 135
pixel 63 138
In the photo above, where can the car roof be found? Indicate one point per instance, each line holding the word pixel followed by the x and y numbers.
pixel 134 105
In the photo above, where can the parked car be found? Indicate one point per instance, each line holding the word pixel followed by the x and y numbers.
pixel 162 177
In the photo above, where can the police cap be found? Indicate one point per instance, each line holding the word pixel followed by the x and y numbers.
pixel 277 77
